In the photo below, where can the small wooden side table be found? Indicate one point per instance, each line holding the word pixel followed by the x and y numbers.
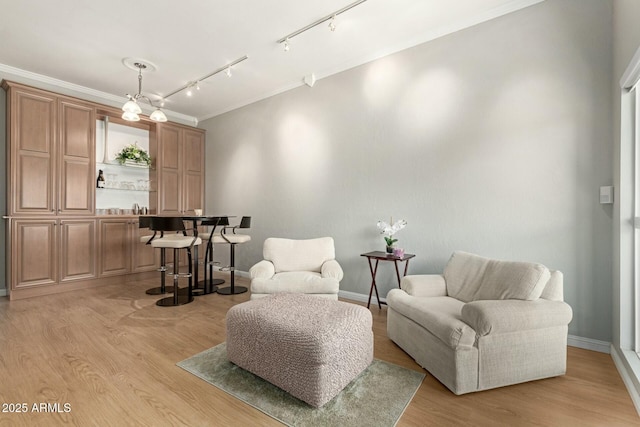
pixel 383 256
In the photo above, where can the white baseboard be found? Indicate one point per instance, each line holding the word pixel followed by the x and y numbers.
pixel 238 272
pixel 353 296
pixel 3 293
pixel 589 344
pixel 628 365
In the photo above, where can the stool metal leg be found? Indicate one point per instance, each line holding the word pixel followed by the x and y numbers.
pixel 163 269
pixel 178 298
pixel 233 289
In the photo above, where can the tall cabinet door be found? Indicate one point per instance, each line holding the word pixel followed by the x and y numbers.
pixel 32 147
pixel 169 170
pixel 77 157
pixel 114 247
pixel 34 253
pixel 193 181
pixel 78 249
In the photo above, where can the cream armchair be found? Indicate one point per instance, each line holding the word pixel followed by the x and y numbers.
pixel 304 266
pixel 483 323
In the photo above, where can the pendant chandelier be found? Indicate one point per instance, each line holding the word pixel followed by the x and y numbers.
pixel 131 109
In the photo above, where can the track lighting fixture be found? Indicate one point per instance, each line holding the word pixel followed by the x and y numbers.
pixel 195 84
pixel 332 24
pixel 131 109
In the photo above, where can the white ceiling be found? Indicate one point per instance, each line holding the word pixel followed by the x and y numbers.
pixel 82 43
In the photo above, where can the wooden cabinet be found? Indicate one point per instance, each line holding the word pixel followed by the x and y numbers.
pixel 51 150
pixel 78 249
pixel 180 169
pixel 77 133
pixel 52 251
pixel 54 240
pixel 121 251
pixel 31 128
pixel 34 249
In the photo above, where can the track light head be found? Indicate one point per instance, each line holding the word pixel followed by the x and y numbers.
pixel 332 23
pixel 228 71
pixel 286 45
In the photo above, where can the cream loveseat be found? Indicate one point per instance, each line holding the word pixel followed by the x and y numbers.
pixel 484 323
pixel 301 266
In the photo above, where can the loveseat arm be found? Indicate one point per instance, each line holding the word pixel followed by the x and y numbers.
pixel 424 285
pixel 262 270
pixel 499 316
pixel 332 269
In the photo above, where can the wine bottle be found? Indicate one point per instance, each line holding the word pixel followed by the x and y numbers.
pixel 100 182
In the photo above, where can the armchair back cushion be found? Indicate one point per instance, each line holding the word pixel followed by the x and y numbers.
pixel 298 255
pixel 470 277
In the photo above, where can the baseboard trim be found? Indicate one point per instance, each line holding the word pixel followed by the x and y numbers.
pixel 626 361
pixel 3 292
pixel 589 344
pixel 353 296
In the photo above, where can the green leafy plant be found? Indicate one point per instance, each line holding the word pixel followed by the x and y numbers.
pixel 390 241
pixel 134 153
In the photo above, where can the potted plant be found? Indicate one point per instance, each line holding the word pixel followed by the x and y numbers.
pixel 389 231
pixel 133 155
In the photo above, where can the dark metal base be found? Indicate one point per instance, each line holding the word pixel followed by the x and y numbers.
pixel 157 291
pixel 215 282
pixel 236 290
pixel 170 302
pixel 200 291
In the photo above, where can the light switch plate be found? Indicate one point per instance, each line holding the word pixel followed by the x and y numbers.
pixel 606 195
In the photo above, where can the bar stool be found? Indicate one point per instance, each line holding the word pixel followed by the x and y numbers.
pixel 210 285
pixel 176 242
pixel 232 239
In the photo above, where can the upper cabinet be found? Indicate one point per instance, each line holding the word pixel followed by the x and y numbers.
pixel 180 169
pixel 51 153
pixel 77 157
pixel 32 139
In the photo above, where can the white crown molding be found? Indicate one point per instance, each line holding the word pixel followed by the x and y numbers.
pixel 28 77
pixel 427 36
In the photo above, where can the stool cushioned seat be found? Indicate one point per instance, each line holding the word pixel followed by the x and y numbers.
pixel 176 241
pixel 231 238
pixel 310 347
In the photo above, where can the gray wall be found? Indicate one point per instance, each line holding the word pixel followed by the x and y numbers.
pixel 493 140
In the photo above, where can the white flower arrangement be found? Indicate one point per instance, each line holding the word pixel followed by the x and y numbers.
pixel 390 230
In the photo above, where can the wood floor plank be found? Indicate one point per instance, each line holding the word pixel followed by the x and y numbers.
pixel 111 353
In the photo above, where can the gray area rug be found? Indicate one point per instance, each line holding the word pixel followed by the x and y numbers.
pixel 377 397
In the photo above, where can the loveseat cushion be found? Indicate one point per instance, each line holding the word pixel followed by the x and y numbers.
pixel 298 255
pixel 439 315
pixel 471 277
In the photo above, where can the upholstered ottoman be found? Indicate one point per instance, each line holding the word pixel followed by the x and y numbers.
pixel 308 346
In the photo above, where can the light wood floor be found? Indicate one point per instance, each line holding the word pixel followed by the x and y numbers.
pixel 110 353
